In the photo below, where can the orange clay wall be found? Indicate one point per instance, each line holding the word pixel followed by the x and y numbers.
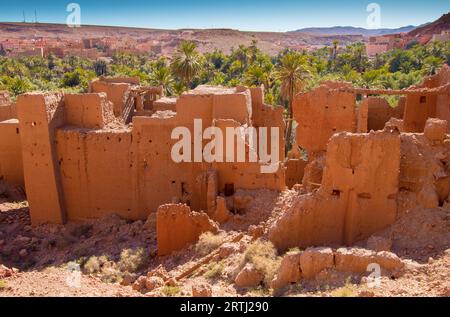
pixel 117 93
pixel 11 166
pixel 77 168
pixel 7 108
pixel 443 101
pixel 380 112
pixel 87 110
pixel 320 114
pixel 96 172
pixel 418 109
pixel 357 196
pixel 39 117
pixel 421 107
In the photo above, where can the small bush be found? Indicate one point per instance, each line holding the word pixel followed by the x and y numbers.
pixel 348 290
pixel 214 271
pixel 110 274
pixel 132 260
pixel 208 242
pixel 95 264
pixel 263 255
pixel 170 291
pixel 3 285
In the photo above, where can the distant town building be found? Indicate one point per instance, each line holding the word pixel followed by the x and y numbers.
pixel 382 44
pixel 443 37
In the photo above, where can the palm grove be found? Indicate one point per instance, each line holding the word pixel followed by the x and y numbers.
pixel 283 75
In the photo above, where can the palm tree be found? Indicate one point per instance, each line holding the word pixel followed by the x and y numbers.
pixel 432 65
pixel 162 77
pixel 335 48
pixel 186 63
pixel 292 73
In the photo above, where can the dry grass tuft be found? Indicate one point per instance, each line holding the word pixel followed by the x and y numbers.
pixel 208 242
pixel 263 255
pixel 214 271
pixel 132 261
pixel 171 291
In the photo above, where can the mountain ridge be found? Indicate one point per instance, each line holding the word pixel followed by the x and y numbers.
pixel 351 30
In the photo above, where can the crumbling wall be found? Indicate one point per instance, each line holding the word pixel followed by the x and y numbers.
pixel 357 196
pixel 321 113
pixel 91 111
pixel 268 116
pixel 117 92
pixel 246 175
pixel 418 109
pixel 11 166
pixel 7 108
pixel 165 104
pixel 295 169
pixel 443 101
pixel 39 116
pixel 362 116
pixel 96 173
pixel 380 112
pixel 80 166
pixel 177 227
pixel 208 103
pixel 424 177
pixel 157 179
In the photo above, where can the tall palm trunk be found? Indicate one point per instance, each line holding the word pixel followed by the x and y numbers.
pixel 290 118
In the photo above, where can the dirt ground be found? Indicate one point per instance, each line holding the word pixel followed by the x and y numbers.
pixel 51 260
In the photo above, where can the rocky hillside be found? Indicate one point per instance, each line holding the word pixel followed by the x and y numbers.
pixel 436 27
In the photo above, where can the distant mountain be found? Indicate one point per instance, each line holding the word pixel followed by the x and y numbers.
pixel 350 30
pixel 436 27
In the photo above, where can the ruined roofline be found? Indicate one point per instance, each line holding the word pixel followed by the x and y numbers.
pixel 441 90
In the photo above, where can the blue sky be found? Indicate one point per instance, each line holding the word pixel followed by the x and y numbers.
pixel 256 15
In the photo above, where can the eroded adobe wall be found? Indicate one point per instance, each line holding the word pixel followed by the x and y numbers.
pixel 39 117
pixel 11 166
pixel 247 174
pixel 7 107
pixel 208 103
pixel 363 169
pixel 321 113
pixel 117 92
pixel 357 196
pixel 295 169
pixel 236 106
pixel 417 110
pixel 268 116
pixel 362 116
pixel 380 112
pixel 177 227
pixel 78 167
pixel 421 107
pixel 424 178
pixel 443 101
pixel 92 111
pixel 165 104
pixel 96 173
pixel 157 179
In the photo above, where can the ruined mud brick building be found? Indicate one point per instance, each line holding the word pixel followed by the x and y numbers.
pixel 367 162
pixel 78 159
pixel 363 162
